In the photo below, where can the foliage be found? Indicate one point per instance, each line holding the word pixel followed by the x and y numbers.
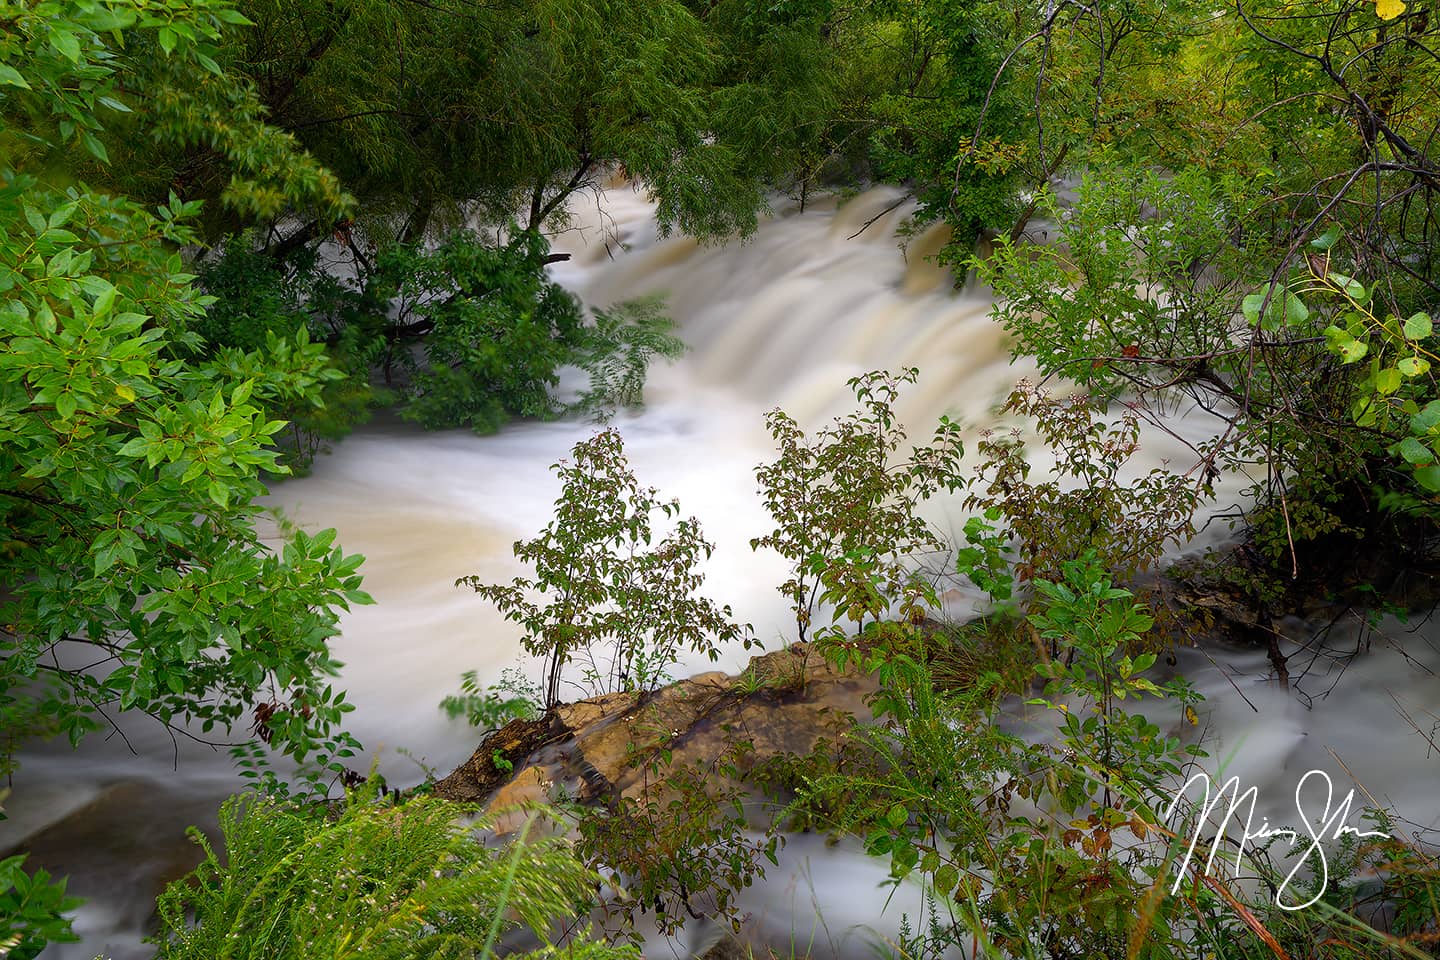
pixel 1016 843
pixel 1121 297
pixel 1275 128
pixel 134 575
pixel 32 910
pixel 462 333
pixel 434 112
pixel 495 329
pixel 82 77
pixel 1087 506
pixel 680 847
pixel 624 607
pixel 845 506
pixel 258 304
pixel 1146 297
pixel 619 349
pixel 376 880
pixel 490 708
pixel 1094 623
pixel 1397 396
pixel 946 128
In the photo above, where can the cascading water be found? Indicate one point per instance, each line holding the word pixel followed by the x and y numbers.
pixel 783 320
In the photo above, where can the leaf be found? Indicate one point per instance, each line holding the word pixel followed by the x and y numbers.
pixel 1353 351
pixel 11 77
pixel 1413 366
pixel 95 148
pixel 1345 344
pixel 1327 239
pixel 1425 422
pixel 1351 287
pixel 65 42
pixel 1250 307
pixel 1429 478
pixel 1419 327
pixel 1389 9
pixel 1414 451
pixel 1387 381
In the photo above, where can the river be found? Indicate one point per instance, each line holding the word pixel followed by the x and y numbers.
pixel 781 320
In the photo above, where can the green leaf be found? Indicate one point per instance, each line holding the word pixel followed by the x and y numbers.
pixel 1387 381
pixel 1419 326
pixel 946 879
pixel 1353 288
pixel 105 558
pixel 94 147
pixel 1414 451
pixel 1427 420
pixel 9 76
pixel 1250 307
pixel 1285 308
pixel 1429 478
pixel 1413 366
pixel 1327 239
pixel 226 15
pixel 65 42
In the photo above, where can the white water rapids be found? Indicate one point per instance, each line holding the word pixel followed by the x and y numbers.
pixel 783 320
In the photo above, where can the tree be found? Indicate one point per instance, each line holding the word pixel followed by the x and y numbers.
pixel 132 573
pixel 433 112
pixel 846 508
pixel 620 604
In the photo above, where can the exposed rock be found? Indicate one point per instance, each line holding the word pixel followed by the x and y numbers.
pixel 599 749
pixel 477 778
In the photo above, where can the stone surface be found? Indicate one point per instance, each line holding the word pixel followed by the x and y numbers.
pixel 597 750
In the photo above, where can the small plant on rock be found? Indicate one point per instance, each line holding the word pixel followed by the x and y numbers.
pixel 845 505
pixel 604 592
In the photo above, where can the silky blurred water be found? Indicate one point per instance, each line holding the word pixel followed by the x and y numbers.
pixel 781 320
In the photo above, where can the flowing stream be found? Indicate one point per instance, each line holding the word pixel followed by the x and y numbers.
pixel 782 320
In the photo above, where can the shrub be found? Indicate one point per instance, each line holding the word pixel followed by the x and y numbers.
pixel 32 909
pixel 490 708
pixel 845 506
pixel 622 606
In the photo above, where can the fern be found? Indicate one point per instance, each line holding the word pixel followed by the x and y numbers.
pixel 381 881
pixel 618 352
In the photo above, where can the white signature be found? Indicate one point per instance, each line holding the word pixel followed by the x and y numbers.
pixel 1328 826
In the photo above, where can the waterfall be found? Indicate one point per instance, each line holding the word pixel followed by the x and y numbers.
pixel 782 319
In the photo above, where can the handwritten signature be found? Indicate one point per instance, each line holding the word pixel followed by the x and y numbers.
pixel 1329 825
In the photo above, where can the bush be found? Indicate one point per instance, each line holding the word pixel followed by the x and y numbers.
pixel 621 606
pixel 845 507
pixel 32 909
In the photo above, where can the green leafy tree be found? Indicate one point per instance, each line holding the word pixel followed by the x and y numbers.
pixel 619 349
pixel 1086 504
pixel 502 109
pixel 845 506
pixel 133 574
pixel 613 599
